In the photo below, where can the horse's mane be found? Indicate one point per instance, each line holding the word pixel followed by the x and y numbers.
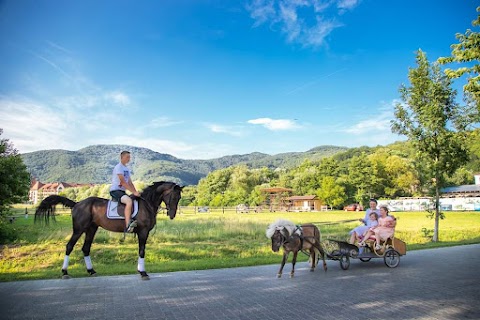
pixel 149 193
pixel 279 225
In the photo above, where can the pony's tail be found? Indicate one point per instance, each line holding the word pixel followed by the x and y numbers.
pixel 46 208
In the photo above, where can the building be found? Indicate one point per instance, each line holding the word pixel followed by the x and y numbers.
pixel 304 203
pixel 459 198
pixel 467 190
pixel 276 198
pixel 39 191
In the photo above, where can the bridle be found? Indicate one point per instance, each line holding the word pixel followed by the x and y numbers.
pixel 167 203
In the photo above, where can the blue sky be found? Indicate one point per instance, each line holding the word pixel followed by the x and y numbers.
pixel 207 78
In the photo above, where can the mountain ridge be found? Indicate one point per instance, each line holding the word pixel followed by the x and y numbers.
pixel 93 164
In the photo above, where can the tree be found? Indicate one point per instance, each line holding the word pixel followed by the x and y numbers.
pixel 467 51
pixel 331 193
pixel 14 177
pixel 361 177
pixel 434 123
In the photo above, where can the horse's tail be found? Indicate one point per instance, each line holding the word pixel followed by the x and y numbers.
pixel 46 208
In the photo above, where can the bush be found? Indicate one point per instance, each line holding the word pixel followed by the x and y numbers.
pixel 8 232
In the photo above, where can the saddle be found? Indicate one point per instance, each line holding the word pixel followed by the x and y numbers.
pixel 116 210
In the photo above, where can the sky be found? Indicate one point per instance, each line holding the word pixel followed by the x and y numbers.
pixel 208 78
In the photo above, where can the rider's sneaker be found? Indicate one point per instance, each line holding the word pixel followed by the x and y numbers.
pixel 131 226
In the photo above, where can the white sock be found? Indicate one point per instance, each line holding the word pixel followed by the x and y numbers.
pixel 65 262
pixel 88 262
pixel 141 264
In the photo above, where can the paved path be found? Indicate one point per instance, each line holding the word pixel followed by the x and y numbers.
pixel 428 284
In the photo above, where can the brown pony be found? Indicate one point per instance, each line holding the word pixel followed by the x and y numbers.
pixel 293 239
pixel 89 214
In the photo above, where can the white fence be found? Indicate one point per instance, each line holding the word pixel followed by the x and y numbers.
pixel 421 204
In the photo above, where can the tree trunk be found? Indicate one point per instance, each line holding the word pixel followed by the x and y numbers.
pixel 437 212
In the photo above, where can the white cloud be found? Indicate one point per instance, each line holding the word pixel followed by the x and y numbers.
pixel 275 125
pixel 261 11
pixel 378 123
pixel 119 98
pixel 294 23
pixel 347 4
pixel 161 122
pixel 29 125
pixel 230 130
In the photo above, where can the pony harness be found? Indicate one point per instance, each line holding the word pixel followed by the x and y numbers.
pixel 116 210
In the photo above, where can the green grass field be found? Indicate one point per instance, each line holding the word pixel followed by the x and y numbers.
pixel 200 241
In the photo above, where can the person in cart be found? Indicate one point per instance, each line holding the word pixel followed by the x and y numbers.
pixel 384 230
pixel 357 233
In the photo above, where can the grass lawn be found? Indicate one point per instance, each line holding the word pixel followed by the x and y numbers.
pixel 200 241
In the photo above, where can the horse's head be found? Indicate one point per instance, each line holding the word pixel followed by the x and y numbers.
pixel 171 197
pixel 278 239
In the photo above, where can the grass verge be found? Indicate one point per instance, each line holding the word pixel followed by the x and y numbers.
pixel 200 241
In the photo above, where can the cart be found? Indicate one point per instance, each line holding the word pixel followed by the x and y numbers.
pixel 342 251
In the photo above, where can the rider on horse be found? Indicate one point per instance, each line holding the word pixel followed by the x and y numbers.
pixel 122 181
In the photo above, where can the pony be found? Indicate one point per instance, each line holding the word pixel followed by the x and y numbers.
pixel 292 238
pixel 90 213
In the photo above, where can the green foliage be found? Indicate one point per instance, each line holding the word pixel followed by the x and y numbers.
pixel 433 123
pixel 14 177
pixel 467 53
pixel 331 192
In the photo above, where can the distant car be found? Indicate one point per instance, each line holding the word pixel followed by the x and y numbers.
pixel 353 207
pixel 203 209
pixel 242 208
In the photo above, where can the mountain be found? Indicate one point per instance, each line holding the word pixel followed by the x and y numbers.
pixel 94 164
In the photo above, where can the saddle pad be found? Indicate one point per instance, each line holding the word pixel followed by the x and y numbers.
pixel 112 212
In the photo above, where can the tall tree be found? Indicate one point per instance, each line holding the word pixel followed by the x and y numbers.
pixel 467 53
pixel 434 123
pixel 14 177
pixel 331 192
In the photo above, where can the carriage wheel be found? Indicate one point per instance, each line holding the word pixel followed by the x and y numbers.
pixel 365 259
pixel 391 258
pixel 344 262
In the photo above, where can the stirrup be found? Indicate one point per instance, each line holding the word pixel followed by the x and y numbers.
pixel 132 225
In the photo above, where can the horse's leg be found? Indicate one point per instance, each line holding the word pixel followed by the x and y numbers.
pixel 322 253
pixel 294 260
pixel 284 260
pixel 71 243
pixel 89 235
pixel 142 241
pixel 313 258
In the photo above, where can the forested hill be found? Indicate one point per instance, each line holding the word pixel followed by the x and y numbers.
pixel 94 164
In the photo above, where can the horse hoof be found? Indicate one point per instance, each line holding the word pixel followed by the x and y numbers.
pixel 279 275
pixel 92 273
pixel 291 275
pixel 66 276
pixel 311 270
pixel 147 277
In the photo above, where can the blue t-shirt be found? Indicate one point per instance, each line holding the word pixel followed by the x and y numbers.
pixel 125 172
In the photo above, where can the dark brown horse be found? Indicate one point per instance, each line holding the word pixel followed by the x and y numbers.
pixel 294 239
pixel 89 214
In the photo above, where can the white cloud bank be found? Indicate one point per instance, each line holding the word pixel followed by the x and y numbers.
pixel 275 124
pixel 290 16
